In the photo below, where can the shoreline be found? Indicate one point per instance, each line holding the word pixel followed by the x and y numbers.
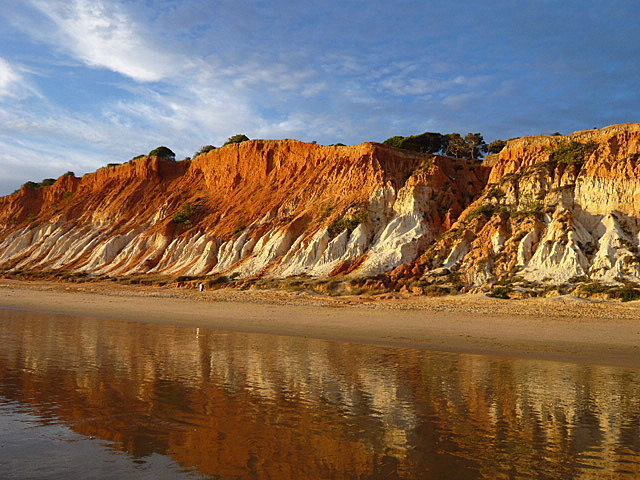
pixel 560 328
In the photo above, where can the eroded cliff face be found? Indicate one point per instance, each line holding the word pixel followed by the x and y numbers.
pixel 275 208
pixel 548 218
pixel 546 210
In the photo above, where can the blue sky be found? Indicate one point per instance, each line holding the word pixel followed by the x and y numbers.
pixel 88 82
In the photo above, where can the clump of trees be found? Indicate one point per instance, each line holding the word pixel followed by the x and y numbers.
pixel 472 145
pixel 496 146
pixel 428 142
pixel 47 182
pixel 239 138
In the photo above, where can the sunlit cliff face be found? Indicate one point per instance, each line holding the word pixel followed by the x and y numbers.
pixel 276 207
pixel 286 208
pixel 316 409
pixel 551 218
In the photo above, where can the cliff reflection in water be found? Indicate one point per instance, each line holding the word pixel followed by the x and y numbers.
pixel 258 406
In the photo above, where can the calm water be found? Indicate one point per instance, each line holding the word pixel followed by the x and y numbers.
pixel 85 398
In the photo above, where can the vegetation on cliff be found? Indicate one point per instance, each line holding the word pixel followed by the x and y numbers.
pixel 572 152
pixel 455 145
pixel 203 150
pixel 163 152
pixel 239 138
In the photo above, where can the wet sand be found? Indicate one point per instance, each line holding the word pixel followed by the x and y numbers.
pixel 559 328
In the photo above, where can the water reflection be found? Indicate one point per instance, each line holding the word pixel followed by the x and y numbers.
pixel 258 406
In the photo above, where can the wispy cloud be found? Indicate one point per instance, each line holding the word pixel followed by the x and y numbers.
pixel 14 84
pixel 38 158
pixel 102 34
pixel 9 79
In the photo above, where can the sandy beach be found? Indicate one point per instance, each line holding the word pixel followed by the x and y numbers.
pixel 558 328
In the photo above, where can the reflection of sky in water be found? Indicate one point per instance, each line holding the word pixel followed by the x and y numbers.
pixel 33 447
pixel 260 406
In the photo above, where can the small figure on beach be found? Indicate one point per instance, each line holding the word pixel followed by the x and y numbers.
pixel 201 287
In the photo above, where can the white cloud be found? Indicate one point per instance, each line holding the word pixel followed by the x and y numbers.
pixel 37 159
pixel 196 100
pixel 277 76
pixel 15 82
pixel 10 79
pixel 102 34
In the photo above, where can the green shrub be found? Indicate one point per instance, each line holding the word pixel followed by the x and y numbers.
pixel 495 192
pixel 203 150
pixel 347 223
pixel 528 210
pixel 594 288
pixel 485 209
pixel 436 291
pixel 184 214
pixel 626 293
pixel 572 152
pixel 186 278
pixel 428 142
pixel 163 152
pixel 502 291
pixel 47 182
pixel 218 280
pixel 239 138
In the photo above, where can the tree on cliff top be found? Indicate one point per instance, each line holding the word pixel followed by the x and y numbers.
pixel 496 146
pixel 163 152
pixel 239 138
pixel 476 144
pixel 471 146
pixel 427 142
pixel 452 144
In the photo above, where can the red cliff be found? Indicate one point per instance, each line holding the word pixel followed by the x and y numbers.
pixel 277 207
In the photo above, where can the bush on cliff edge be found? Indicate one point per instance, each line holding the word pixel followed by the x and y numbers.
pixel 239 138
pixel 163 152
